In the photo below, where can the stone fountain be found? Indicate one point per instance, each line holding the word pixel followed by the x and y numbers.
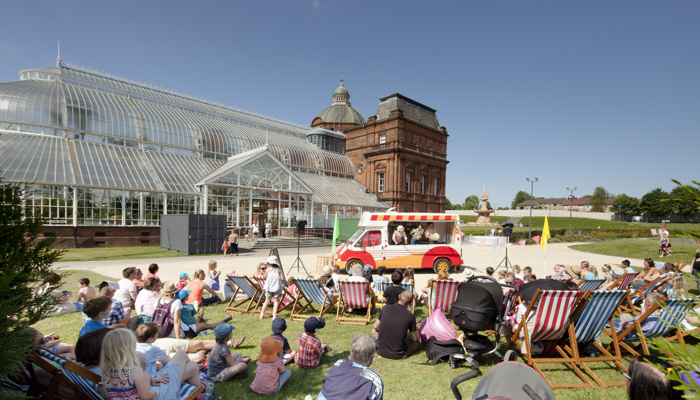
pixel 483 211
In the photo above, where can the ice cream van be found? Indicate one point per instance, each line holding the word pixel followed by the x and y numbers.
pixel 395 240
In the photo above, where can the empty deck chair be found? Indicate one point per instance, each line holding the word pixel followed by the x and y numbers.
pixel 590 284
pixel 244 285
pixel 310 292
pixel 444 293
pixel 552 320
pixel 354 295
pixel 288 298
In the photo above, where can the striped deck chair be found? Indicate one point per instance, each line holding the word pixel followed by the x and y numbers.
pixel 443 294
pixel 590 316
pixel 354 295
pixel 244 285
pixel 86 381
pixel 310 292
pixel 672 315
pixel 405 286
pixel 551 322
pixel 562 279
pixel 288 298
pixel 638 296
pixel 623 282
pixel 592 284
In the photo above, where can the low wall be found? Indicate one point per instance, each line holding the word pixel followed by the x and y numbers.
pixel 607 216
pixel 104 236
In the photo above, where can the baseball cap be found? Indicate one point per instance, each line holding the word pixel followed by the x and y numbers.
pixel 223 330
pixel 112 285
pixel 313 324
pixel 368 267
pixel 279 324
pixel 183 274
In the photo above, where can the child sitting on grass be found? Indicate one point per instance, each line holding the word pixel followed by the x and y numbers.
pixel 146 334
pixel 271 375
pixel 223 365
pixel 97 309
pixel 310 347
pixel 184 280
pixel 279 325
pixel 86 291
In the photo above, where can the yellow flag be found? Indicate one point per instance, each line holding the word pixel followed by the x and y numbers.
pixel 545 235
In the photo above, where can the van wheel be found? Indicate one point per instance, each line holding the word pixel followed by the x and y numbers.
pixel 351 264
pixel 442 264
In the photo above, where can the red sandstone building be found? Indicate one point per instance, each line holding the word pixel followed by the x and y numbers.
pixel 399 154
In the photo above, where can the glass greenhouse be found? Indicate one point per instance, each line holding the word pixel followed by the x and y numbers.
pixel 97 149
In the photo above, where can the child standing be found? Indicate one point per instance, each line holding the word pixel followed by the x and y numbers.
pixel 124 378
pixel 311 347
pixel 97 309
pixel 184 280
pixel 214 276
pixel 271 375
pixel 224 246
pixel 86 291
pixel 279 325
pixel 222 364
pixel 273 287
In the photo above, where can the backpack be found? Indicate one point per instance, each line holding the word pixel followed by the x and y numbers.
pixel 161 316
pixel 439 349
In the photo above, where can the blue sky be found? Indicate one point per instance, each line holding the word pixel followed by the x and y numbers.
pixel 584 94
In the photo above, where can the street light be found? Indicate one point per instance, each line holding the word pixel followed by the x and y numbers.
pixel 571 206
pixel 532 187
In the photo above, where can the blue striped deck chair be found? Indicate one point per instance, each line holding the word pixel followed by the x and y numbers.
pixel 590 316
pixel 405 286
pixel 672 314
pixel 310 292
pixel 592 284
pixel 637 297
pixel 244 285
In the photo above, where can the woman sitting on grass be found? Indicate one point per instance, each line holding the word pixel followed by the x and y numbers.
pixel 197 287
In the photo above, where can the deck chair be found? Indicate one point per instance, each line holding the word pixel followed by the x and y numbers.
pixel 288 298
pixel 444 293
pixel 310 292
pixel 244 285
pixel 405 286
pixel 654 232
pixel 638 296
pixel 552 321
pixel 57 377
pixel 590 316
pixel 590 284
pixel 623 282
pixel 563 279
pixel 354 295
pixel 672 314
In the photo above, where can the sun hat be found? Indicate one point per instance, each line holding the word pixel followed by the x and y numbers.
pixel 618 272
pixel 270 348
pixel 574 271
pixel 313 324
pixel 327 270
pixel 468 273
pixel 272 260
pixel 400 228
pixel 169 288
pixel 368 267
pixel 223 330
pixel 112 285
pixel 183 275
pixel 279 324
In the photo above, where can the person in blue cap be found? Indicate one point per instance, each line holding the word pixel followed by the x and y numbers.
pixel 279 325
pixel 223 365
pixel 183 281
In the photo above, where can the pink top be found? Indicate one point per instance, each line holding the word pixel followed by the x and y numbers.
pixel 267 376
pixel 150 275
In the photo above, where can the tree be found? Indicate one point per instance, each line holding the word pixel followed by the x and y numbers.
pixel 657 203
pixel 25 259
pixel 519 198
pixel 599 199
pixel 448 204
pixel 625 205
pixel 471 203
pixel 682 200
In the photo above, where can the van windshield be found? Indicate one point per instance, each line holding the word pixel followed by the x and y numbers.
pixel 355 236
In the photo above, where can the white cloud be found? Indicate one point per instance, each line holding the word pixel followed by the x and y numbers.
pixel 316 4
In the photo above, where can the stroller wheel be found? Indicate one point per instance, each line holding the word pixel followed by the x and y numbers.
pixel 510 355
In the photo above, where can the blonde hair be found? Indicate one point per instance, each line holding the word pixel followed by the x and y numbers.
pixel 594 270
pixel 199 274
pixel 118 353
pixel 259 269
pixel 408 273
pixel 502 273
pixel 212 265
pixel 585 264
pixel 679 285
pixel 516 268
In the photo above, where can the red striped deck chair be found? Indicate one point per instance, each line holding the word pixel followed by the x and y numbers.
pixel 354 295
pixel 310 292
pixel 623 282
pixel 592 312
pixel 562 279
pixel 288 298
pixel 590 284
pixel 244 285
pixel 637 297
pixel 444 293
pixel 552 321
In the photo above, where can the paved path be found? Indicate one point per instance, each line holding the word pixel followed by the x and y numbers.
pixel 475 257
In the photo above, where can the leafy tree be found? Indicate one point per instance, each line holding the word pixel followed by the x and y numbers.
pixel 625 205
pixel 657 203
pixel 471 203
pixel 448 204
pixel 25 259
pixel 519 198
pixel 682 199
pixel 599 199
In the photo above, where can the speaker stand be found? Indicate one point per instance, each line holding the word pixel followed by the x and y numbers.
pixel 299 264
pixel 505 261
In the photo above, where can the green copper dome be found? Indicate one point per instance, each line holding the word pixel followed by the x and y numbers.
pixel 341 89
pixel 340 111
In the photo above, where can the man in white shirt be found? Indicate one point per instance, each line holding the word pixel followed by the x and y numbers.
pixel 127 292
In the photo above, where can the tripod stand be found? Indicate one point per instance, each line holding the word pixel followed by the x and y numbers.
pixel 298 262
pixel 505 261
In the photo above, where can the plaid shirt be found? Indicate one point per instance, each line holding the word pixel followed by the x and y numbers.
pixel 309 352
pixel 116 314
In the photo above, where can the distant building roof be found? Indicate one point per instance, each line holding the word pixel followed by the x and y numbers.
pixel 410 108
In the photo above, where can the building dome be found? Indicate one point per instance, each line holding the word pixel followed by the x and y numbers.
pixel 340 112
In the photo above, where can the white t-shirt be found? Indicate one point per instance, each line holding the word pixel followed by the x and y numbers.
pixel 141 299
pixel 122 294
pixel 273 283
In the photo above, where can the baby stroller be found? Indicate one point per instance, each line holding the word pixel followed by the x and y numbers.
pixel 480 306
pixel 523 383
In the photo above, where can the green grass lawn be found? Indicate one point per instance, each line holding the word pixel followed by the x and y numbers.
pixel 403 379
pixel 640 248
pixel 582 224
pixel 117 253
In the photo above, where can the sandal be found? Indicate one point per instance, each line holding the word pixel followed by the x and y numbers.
pixel 245 359
pixel 228 318
pixel 200 316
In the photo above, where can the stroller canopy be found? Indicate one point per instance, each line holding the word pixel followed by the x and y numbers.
pixel 507 380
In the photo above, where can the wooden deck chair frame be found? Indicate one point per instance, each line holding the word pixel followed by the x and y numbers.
pixel 354 295
pixel 673 311
pixel 308 293
pixel 251 289
pixel 288 300
pixel 405 286
pixel 443 293
pixel 564 302
pixel 590 284
pixel 57 376
pixel 640 293
pixel 623 282
pixel 593 310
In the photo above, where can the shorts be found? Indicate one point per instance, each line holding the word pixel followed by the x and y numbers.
pixel 274 295
pixel 169 345
pixel 220 377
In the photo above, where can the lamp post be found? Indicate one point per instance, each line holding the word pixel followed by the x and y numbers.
pixel 571 206
pixel 532 187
